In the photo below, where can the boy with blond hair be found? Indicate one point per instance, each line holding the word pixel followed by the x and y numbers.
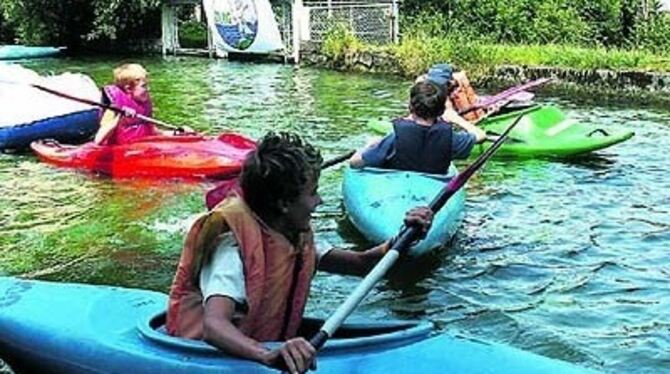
pixel 130 92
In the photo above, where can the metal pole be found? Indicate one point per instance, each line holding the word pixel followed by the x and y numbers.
pixel 297 25
pixel 395 22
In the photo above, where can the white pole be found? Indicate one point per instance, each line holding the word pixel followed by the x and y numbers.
pixel 297 26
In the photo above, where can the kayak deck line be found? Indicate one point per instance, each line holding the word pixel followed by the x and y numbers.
pixel 354 336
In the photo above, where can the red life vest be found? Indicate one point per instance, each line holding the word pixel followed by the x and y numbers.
pixel 277 276
pixel 129 129
pixel 463 97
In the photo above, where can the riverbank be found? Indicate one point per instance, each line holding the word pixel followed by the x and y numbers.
pixel 614 75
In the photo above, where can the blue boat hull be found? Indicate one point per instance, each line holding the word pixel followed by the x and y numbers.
pixel 74 127
pixel 18 52
pixel 376 201
pixel 71 328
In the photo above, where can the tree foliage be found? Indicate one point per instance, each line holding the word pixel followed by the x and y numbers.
pixel 77 22
pixel 608 23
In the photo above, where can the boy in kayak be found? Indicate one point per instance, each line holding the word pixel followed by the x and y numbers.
pixel 246 268
pixel 130 91
pixel 422 141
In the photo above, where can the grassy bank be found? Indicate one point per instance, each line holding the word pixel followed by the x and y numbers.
pixel 416 54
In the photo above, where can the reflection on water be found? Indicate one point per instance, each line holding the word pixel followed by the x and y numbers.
pixel 564 258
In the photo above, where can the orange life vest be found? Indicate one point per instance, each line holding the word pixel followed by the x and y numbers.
pixel 463 97
pixel 277 276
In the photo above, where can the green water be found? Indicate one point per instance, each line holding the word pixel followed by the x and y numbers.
pixel 566 259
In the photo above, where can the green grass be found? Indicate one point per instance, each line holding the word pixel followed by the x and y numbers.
pixel 416 54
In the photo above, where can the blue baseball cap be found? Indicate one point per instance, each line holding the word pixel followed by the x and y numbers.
pixel 440 74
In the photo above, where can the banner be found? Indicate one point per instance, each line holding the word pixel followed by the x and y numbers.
pixel 242 26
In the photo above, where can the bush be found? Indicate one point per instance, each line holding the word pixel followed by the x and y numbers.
pixel 654 35
pixel 6 32
pixel 608 23
pixel 75 22
pixel 193 34
pixel 340 41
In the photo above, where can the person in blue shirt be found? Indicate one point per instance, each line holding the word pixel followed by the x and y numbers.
pixel 422 141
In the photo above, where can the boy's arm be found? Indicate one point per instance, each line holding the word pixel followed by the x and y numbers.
pixel 350 262
pixel 360 263
pixel 219 331
pixel 452 116
pixel 108 123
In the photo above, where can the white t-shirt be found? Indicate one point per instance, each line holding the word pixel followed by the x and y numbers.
pixel 224 275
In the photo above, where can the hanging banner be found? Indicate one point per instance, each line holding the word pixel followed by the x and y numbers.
pixel 242 26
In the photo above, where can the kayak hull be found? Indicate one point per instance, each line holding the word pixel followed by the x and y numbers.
pixel 72 328
pixel 19 52
pixel 72 127
pixel 376 201
pixel 543 131
pixel 188 156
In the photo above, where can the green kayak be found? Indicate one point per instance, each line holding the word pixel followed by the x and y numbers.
pixel 544 131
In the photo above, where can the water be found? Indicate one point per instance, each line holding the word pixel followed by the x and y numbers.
pixel 564 258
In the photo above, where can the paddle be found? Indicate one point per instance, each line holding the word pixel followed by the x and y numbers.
pixel 96 103
pixel 402 242
pixel 218 193
pixel 336 160
pixel 505 94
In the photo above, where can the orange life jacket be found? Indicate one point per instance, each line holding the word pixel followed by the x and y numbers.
pixel 277 276
pixel 463 97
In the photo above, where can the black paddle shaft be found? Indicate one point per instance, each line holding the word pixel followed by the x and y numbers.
pixel 336 160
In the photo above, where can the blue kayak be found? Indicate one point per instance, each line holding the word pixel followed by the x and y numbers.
pixel 69 128
pixel 28 114
pixel 19 52
pixel 376 201
pixel 72 328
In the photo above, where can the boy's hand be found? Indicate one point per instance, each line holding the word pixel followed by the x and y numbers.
pixel 129 112
pixel 297 354
pixel 421 217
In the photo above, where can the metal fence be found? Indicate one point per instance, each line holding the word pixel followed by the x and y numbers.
pixel 371 22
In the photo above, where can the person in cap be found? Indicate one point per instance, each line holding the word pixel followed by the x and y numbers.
pixel 246 268
pixel 460 95
pixel 421 141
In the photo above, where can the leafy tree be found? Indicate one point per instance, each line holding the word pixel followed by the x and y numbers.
pixel 74 23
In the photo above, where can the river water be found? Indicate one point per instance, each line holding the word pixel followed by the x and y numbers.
pixel 568 259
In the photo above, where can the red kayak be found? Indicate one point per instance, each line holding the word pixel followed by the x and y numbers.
pixel 185 156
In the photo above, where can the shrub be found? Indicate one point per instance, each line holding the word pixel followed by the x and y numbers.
pixel 74 22
pixel 193 34
pixel 340 41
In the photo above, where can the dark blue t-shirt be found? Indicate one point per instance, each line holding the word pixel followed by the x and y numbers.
pixel 380 154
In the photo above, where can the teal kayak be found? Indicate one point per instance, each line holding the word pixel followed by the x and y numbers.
pixel 376 201
pixel 544 131
pixel 48 327
pixel 19 52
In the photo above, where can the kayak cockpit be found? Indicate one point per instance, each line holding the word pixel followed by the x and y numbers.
pixel 351 336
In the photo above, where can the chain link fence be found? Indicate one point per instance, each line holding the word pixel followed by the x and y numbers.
pixel 371 22
pixel 374 22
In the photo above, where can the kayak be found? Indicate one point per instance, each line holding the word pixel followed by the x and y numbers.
pixel 544 131
pixel 18 52
pixel 376 201
pixel 70 127
pixel 48 327
pixel 183 156
pixel 27 114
